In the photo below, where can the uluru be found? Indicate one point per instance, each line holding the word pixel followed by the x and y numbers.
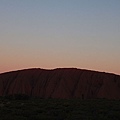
pixel 60 83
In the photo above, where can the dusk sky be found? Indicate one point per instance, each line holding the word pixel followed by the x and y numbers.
pixel 50 34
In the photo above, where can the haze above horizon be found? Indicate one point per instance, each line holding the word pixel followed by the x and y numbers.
pixel 51 34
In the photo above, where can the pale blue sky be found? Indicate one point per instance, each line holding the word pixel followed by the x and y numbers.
pixel 60 33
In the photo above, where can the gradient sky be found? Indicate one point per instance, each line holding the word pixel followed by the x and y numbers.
pixel 60 33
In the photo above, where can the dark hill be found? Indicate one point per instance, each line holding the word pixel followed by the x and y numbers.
pixel 61 83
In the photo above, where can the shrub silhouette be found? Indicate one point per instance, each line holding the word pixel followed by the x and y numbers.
pixel 17 97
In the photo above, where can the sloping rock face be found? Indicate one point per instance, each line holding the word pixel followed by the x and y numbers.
pixel 61 83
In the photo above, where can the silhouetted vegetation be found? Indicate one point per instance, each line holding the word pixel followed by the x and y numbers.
pixel 17 97
pixel 21 108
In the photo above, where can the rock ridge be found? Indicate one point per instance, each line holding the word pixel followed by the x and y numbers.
pixel 61 83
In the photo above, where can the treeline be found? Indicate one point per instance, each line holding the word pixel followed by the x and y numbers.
pixel 16 97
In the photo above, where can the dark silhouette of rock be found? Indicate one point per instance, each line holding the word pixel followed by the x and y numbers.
pixel 60 83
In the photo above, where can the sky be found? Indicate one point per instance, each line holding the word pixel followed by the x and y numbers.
pixel 52 34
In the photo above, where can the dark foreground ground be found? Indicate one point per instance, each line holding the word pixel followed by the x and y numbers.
pixel 59 109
